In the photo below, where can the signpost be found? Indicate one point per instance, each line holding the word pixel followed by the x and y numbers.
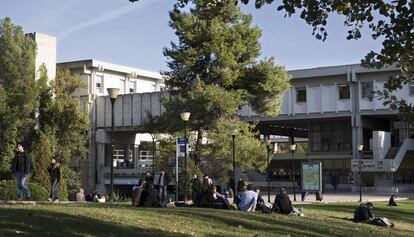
pixel 181 144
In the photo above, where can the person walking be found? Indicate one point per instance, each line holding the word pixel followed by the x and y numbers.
pixel 21 167
pixel 196 187
pixel 55 175
pixel 163 181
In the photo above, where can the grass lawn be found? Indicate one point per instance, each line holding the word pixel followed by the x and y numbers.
pixel 121 220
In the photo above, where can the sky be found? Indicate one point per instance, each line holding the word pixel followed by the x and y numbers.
pixel 134 34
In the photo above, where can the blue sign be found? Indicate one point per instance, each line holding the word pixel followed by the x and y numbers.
pixel 182 140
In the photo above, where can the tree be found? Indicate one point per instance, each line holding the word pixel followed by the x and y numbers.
pixel 250 153
pixel 18 91
pixel 389 21
pixel 214 71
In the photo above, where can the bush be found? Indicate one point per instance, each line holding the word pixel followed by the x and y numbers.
pixel 8 191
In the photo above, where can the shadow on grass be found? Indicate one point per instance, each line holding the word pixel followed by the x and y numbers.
pixel 22 222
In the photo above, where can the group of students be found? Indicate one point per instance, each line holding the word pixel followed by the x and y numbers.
pixel 145 194
pixel 249 200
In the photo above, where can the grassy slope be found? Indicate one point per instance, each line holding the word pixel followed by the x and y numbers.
pixel 104 220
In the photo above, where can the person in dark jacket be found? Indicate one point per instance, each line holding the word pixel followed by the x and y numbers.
pixel 163 181
pixel 196 187
pixel 149 196
pixel 204 198
pixel 392 201
pixel 137 192
pixel 240 186
pixel 21 167
pixel 55 175
pixel 363 213
pixel 283 205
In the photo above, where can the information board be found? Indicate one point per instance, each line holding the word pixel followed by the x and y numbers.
pixel 311 176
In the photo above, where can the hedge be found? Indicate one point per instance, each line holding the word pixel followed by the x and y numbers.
pixel 8 191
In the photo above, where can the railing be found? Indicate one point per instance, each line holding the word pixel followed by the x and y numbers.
pixel 408 144
pixel 331 147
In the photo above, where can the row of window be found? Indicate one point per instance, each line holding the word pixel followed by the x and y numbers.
pixel 99 85
pixel 344 91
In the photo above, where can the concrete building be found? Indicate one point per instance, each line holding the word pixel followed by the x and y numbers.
pixel 328 112
pixel 129 146
pixel 333 108
pixel 46 53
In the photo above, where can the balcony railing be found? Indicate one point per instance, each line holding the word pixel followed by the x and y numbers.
pixel 331 147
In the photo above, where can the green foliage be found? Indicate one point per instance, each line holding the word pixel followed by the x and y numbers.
pixel 72 178
pixel 249 152
pixel 42 153
pixel 391 22
pixel 217 53
pixel 8 191
pixel 18 97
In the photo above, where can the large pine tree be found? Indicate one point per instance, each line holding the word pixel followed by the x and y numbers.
pixel 214 71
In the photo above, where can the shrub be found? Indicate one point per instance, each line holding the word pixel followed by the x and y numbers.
pixel 8 191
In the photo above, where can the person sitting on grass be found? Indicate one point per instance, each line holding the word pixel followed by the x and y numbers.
pixel 248 199
pixel 219 200
pixel 149 196
pixel 283 205
pixel 204 198
pixel 363 213
pixel 392 201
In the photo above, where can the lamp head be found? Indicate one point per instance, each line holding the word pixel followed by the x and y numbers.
pixel 292 147
pixel 234 132
pixel 113 93
pixel 185 116
pixel 360 147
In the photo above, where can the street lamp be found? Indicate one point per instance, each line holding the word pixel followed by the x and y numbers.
pixel 292 149
pixel 185 116
pixel 233 136
pixel 113 94
pixel 360 147
pixel 268 166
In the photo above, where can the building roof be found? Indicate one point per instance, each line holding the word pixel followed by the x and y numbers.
pixel 336 70
pixel 92 63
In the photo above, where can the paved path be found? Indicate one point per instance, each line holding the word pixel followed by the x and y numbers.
pixel 346 197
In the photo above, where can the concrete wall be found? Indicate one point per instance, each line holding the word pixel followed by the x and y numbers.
pixel 46 53
pixel 381 143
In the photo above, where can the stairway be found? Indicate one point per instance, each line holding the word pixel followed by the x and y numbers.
pixel 392 152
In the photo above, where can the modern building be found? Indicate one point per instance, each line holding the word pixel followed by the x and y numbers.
pixel 46 53
pixel 129 147
pixel 334 110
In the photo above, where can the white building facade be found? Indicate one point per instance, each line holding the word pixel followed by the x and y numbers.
pixel 335 110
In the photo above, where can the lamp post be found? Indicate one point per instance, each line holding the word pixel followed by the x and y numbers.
pixel 268 166
pixel 113 94
pixel 185 116
pixel 153 153
pixel 233 136
pixel 360 147
pixel 292 149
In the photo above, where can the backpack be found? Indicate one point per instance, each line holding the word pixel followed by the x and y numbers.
pixel 383 221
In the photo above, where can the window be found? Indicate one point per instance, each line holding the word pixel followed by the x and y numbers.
pixel 300 94
pixel 98 84
pixel 411 88
pixel 132 86
pixel 344 92
pixel 367 88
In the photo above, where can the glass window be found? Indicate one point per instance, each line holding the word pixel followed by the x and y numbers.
pixel 98 84
pixel 344 92
pixel 132 87
pixel 300 94
pixel 412 88
pixel 367 88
